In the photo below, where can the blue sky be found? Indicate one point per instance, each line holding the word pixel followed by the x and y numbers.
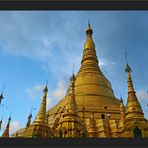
pixel 40 45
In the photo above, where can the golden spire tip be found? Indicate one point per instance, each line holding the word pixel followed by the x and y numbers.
pixel 89 23
pixel 46 89
pixel 127 69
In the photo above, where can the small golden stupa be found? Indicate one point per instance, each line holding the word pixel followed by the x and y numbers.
pixel 90 108
pixel 6 131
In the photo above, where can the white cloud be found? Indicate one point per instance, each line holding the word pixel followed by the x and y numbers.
pixel 38 88
pixel 53 95
pixel 14 126
pixel 39 36
pixel 142 95
pixel 34 91
pixel 59 92
pixel 105 63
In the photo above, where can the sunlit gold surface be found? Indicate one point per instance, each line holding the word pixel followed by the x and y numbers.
pixel 41 116
pixel 90 108
pixel 92 129
pixel 91 87
pixel 70 125
pixel 134 116
pixel 6 131
pixel 39 128
pixel 133 107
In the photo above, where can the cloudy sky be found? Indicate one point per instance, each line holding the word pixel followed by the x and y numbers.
pixel 40 45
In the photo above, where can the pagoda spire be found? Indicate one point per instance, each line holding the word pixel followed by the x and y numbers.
pixel 72 105
pixel 128 70
pixel 71 121
pixel 122 113
pixel 1 122
pixel 89 52
pixel 41 116
pixel 89 62
pixel 133 107
pixel 6 131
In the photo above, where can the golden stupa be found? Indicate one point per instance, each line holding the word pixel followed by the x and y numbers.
pixel 92 89
pixel 89 108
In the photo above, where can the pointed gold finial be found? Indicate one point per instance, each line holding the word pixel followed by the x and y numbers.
pixel 129 79
pixel 127 68
pixel 122 113
pixel 89 23
pixel 89 47
pixel 46 88
pixel 6 131
pixel 72 105
pixel 89 29
pixel 121 104
pixel 41 116
pixel 133 107
pixel 72 84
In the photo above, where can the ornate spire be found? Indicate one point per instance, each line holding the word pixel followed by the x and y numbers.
pixel 89 47
pixel 121 105
pixel 41 116
pixel 89 61
pixel 72 105
pixel 71 123
pixel 89 30
pixel 133 107
pixel 122 113
pixel 6 131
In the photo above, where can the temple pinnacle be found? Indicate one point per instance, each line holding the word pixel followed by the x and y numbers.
pixel 88 23
pixel 133 107
pixel 72 105
pixel 127 68
pixel 41 116
pixel 89 29
pixel 6 131
pixel 89 52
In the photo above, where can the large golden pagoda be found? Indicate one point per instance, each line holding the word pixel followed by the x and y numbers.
pixel 89 108
pixel 91 86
